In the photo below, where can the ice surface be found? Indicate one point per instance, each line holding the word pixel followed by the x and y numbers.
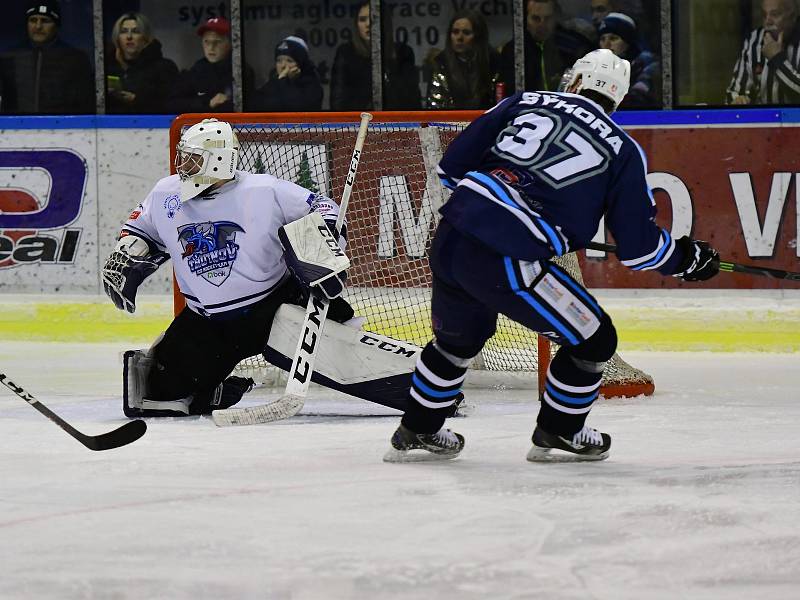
pixel 700 498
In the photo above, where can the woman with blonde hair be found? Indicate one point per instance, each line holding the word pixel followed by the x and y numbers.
pixel 138 77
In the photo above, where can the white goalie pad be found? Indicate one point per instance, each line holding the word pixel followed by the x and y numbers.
pixel 312 251
pixel 360 363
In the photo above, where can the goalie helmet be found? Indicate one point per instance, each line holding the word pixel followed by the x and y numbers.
pixel 207 153
pixel 603 72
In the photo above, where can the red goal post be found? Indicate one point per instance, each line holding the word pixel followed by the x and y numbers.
pixel 391 217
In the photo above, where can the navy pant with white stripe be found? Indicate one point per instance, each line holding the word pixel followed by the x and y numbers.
pixel 471 286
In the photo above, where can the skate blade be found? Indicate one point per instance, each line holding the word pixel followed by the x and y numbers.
pixel 553 455
pixel 411 456
pixel 464 410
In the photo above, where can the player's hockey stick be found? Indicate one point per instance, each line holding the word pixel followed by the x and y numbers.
pixel 728 267
pixel 130 432
pixel 299 379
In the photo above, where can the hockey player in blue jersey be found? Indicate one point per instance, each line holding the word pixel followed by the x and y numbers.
pixel 531 179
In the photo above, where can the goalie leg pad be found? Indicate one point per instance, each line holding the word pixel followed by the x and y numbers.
pixel 136 372
pixel 363 364
pixel 136 404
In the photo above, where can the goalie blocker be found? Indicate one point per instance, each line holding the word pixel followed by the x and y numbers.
pixel 313 254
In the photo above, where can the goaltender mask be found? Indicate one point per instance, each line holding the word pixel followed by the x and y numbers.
pixel 220 226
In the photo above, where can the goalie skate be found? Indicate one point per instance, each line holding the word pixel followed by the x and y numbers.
pixel 587 444
pixel 408 446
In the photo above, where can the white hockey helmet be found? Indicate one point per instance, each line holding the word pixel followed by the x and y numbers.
pixel 601 71
pixel 207 153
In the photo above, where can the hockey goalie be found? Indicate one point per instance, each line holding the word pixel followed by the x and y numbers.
pixel 247 250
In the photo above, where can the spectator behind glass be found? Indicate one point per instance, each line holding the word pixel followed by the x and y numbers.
pixel 138 77
pixel 544 62
pixel 351 76
pixel 44 74
pixel 618 34
pixel 465 72
pixel 768 68
pixel 601 9
pixel 293 84
pixel 208 85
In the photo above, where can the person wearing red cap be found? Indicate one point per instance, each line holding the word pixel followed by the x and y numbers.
pixel 208 85
pixel 44 74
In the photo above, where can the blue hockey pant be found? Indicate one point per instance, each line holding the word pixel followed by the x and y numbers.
pixel 471 286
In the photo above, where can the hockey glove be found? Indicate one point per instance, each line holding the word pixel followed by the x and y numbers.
pixel 314 256
pixel 127 267
pixel 701 261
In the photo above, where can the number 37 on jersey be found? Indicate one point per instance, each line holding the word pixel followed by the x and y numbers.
pixel 560 151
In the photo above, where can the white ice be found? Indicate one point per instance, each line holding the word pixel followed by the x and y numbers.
pixel 700 498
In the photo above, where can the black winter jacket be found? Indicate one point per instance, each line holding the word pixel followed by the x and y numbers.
pixel 351 80
pixel 51 79
pixel 302 94
pixel 196 87
pixel 150 76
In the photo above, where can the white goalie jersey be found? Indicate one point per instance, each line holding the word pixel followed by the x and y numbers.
pixel 224 247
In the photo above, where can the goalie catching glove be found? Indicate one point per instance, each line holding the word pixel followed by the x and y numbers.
pixel 131 262
pixel 313 254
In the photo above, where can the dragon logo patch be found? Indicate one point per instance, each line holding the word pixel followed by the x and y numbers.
pixel 210 249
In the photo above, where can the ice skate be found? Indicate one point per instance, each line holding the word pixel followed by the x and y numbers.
pixel 587 444
pixel 408 446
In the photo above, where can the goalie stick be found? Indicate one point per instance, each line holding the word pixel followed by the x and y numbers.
pixel 129 432
pixel 294 396
pixel 728 267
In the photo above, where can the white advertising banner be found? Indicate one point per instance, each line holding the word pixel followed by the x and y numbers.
pixel 63 195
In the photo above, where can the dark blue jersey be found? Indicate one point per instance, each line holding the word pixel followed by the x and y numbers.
pixel 534 176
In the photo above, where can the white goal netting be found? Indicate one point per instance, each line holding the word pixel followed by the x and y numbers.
pixel 390 219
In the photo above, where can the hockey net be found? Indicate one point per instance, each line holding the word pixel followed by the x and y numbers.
pixel 392 214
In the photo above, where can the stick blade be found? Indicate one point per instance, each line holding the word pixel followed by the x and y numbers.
pixel 122 436
pixel 286 406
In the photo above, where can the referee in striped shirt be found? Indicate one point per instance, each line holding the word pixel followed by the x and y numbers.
pixel 768 69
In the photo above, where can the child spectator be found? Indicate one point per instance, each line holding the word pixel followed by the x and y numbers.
pixel 618 34
pixel 208 85
pixel 138 77
pixel 293 84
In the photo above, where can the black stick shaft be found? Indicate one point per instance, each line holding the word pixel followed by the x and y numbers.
pixel 127 433
pixel 728 267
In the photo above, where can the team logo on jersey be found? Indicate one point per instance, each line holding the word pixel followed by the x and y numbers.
pixel 210 249
pixel 172 205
